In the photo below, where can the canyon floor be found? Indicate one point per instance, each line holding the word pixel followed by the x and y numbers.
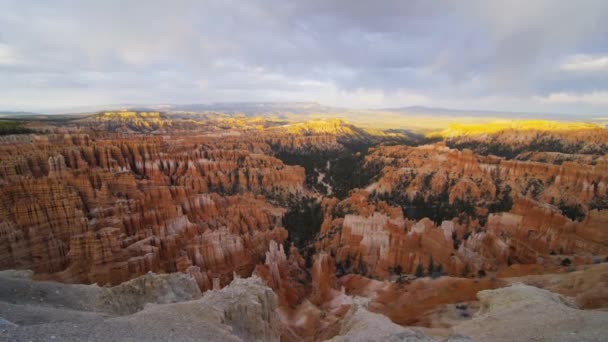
pixel 132 225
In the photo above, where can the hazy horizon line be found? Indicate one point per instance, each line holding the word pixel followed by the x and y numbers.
pixel 158 106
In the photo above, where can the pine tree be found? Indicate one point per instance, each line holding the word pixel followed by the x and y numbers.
pixel 438 271
pixel 465 272
pixel 419 271
pixel 431 266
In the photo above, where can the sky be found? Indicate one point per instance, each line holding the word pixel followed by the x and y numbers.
pixel 531 56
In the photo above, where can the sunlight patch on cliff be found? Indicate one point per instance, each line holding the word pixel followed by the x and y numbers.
pixel 459 129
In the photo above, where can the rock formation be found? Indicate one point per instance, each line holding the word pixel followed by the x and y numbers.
pixel 489 212
pixel 244 310
pixel 97 209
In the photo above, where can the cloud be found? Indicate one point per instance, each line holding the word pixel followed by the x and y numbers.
pixel 593 98
pixel 586 63
pixel 7 55
pixel 346 53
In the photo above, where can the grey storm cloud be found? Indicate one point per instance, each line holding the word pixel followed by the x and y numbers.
pixel 508 55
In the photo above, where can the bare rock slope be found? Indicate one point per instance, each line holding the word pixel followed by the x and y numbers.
pixel 361 324
pixel 43 311
pixel 526 313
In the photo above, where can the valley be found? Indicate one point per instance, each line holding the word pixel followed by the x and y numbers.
pixel 337 224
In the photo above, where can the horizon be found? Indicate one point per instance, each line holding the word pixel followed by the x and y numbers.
pixel 217 106
pixel 471 56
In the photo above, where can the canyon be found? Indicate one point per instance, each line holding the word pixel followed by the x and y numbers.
pixel 326 230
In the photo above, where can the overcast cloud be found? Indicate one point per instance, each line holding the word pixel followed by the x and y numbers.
pixel 505 55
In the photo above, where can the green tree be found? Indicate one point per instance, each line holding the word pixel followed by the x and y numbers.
pixel 438 271
pixel 465 272
pixel 303 221
pixel 575 212
pixel 396 270
pixel 419 271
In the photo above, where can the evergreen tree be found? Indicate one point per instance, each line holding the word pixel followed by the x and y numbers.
pixel 440 269
pixel 431 268
pixel 419 271
pixel 465 272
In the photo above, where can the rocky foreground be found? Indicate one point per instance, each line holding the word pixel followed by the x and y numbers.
pixel 171 308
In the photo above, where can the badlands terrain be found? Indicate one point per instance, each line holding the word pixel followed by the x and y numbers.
pixel 185 225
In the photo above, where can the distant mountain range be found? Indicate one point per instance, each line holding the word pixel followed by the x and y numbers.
pixel 301 108
pixel 16 113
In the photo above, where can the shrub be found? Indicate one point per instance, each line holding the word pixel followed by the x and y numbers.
pixel 426 181
pixel 575 212
pixel 534 187
pixel 599 203
pixel 462 306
